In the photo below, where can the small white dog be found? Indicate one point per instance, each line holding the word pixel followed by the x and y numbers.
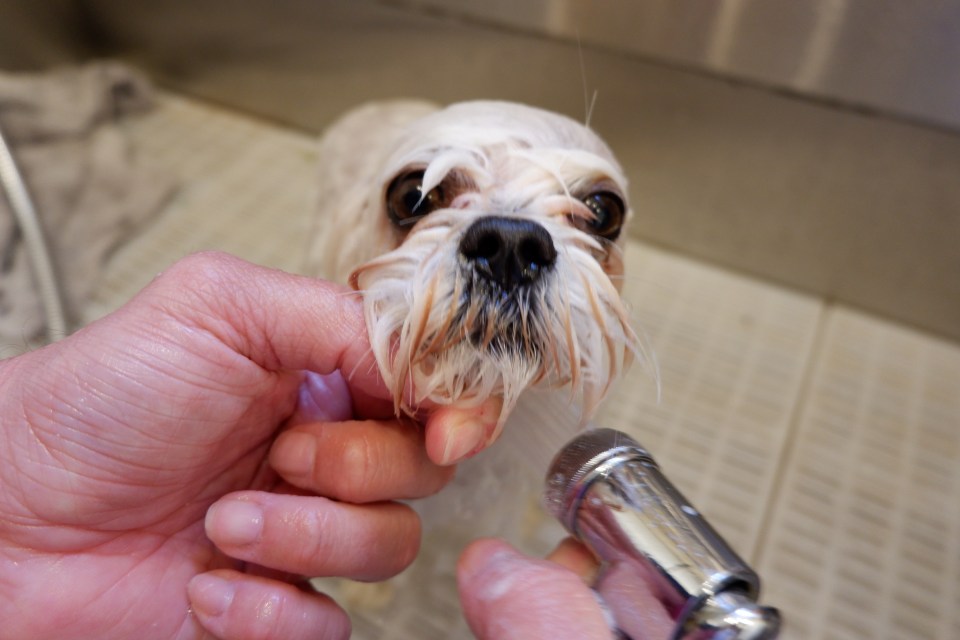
pixel 485 238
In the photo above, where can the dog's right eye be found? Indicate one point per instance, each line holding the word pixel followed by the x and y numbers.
pixel 608 215
pixel 406 202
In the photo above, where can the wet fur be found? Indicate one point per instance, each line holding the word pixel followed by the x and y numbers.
pixel 440 332
pixel 437 331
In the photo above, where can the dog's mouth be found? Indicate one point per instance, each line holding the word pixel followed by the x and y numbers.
pixel 502 273
pixel 500 322
pixel 504 264
pixel 496 323
pixel 491 311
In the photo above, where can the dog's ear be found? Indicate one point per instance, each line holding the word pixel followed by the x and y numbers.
pixel 352 153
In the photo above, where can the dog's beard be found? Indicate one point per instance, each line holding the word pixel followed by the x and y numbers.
pixel 443 333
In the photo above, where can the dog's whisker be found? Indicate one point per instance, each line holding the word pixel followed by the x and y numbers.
pixel 552 350
pixel 371 367
pixel 573 349
pixel 455 300
pixel 527 332
pixel 424 312
pixel 442 336
pixel 490 330
pixel 471 317
pixel 442 339
pixel 407 389
pixel 600 319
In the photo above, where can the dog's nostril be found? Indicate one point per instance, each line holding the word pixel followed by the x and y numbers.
pixel 534 252
pixel 508 251
pixel 487 246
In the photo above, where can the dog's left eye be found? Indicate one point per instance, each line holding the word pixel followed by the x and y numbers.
pixel 608 213
pixel 406 202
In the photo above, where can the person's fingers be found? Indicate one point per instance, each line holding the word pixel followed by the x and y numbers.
pixel 455 433
pixel 235 606
pixel 358 462
pixel 278 320
pixel 315 536
pixel 631 598
pixel 577 558
pixel 507 595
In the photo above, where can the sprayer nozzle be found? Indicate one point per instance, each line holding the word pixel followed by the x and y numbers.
pixel 610 494
pixel 576 464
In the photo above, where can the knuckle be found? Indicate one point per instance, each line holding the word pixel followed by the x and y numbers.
pixel 358 469
pixel 315 526
pixel 196 279
pixel 206 266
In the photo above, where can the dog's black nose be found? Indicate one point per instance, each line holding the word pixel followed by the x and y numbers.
pixel 508 251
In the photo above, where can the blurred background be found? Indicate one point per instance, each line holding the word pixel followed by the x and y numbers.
pixel 812 143
pixel 794 174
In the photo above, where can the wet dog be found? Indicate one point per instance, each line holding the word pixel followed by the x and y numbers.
pixel 486 241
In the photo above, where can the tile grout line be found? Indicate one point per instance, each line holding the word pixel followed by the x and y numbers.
pixel 794 422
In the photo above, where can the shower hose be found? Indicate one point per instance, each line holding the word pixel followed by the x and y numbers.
pixel 37 251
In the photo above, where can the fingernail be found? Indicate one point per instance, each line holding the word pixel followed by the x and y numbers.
pixel 210 595
pixel 294 454
pixel 324 398
pixel 234 522
pixel 463 439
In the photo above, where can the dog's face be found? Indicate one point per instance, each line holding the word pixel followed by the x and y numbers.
pixel 500 230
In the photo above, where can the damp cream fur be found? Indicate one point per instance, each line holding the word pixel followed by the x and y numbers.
pixel 485 239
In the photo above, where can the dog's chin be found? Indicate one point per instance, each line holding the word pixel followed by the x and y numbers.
pixel 443 335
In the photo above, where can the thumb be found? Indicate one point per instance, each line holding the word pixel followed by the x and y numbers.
pixel 454 433
pixel 276 320
pixel 507 595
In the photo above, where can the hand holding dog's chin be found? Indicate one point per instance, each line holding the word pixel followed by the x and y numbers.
pixel 135 490
pixel 454 433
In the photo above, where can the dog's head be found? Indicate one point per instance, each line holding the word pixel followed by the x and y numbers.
pixel 498 231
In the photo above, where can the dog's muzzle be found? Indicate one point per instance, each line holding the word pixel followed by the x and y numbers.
pixel 507 252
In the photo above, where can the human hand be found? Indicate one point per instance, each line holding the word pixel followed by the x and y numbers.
pixel 506 595
pixel 135 463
